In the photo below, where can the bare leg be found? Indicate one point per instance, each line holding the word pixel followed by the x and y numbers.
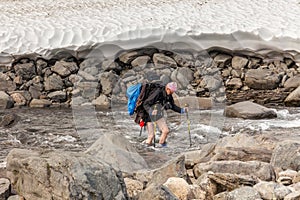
pixel 162 124
pixel 150 130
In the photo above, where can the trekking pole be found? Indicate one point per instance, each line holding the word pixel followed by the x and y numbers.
pixel 188 122
pixel 154 125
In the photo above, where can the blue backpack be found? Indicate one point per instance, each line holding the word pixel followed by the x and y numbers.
pixel 132 94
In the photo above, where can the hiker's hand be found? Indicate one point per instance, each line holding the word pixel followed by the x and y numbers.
pixel 154 112
pixel 186 109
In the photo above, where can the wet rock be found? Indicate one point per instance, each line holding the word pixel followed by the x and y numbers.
pixel 5 101
pixel 4 188
pixel 249 110
pixel 9 120
pixel 62 175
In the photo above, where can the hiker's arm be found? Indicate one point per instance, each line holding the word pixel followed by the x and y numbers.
pixel 174 107
pixel 151 100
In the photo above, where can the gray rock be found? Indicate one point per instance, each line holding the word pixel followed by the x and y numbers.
pixel 245 193
pixel 128 57
pixel 262 79
pixel 63 175
pixel 9 120
pixel 19 99
pixel 87 76
pixel 53 82
pixel 249 110
pixel 272 190
pixel 101 102
pixel 162 61
pixel 183 77
pixel 140 61
pixel 4 188
pixel 35 90
pixel 293 99
pixel 15 197
pixel 89 90
pixel 117 152
pixel 286 156
pixel 234 83
pixel 211 83
pixel 58 96
pixel 292 82
pixel 40 66
pixel 26 70
pixel 222 60
pixel 64 68
pixel 39 103
pixel 5 101
pixel 107 81
pixel 6 83
pixel 261 170
pixel 293 196
pixel 238 62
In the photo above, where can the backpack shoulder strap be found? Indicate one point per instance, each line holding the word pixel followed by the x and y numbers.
pixel 142 95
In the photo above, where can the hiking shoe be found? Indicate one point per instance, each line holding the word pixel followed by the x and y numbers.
pixel 144 143
pixel 163 145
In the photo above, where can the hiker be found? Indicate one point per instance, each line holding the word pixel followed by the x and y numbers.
pixel 160 98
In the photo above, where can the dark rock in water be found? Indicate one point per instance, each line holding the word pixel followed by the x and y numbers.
pixel 9 120
pixel 249 110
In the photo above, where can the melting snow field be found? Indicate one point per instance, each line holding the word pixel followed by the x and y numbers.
pixel 39 25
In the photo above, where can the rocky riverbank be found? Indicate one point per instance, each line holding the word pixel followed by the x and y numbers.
pixel 66 78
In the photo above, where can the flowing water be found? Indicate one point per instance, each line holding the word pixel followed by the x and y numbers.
pixel 76 129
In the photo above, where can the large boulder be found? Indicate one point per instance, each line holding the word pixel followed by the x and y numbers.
pixel 262 79
pixel 293 99
pixel 239 147
pixel 286 155
pixel 62 175
pixel 261 170
pixel 249 110
pixel 116 150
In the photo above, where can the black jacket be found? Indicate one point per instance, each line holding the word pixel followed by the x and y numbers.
pixel 159 98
